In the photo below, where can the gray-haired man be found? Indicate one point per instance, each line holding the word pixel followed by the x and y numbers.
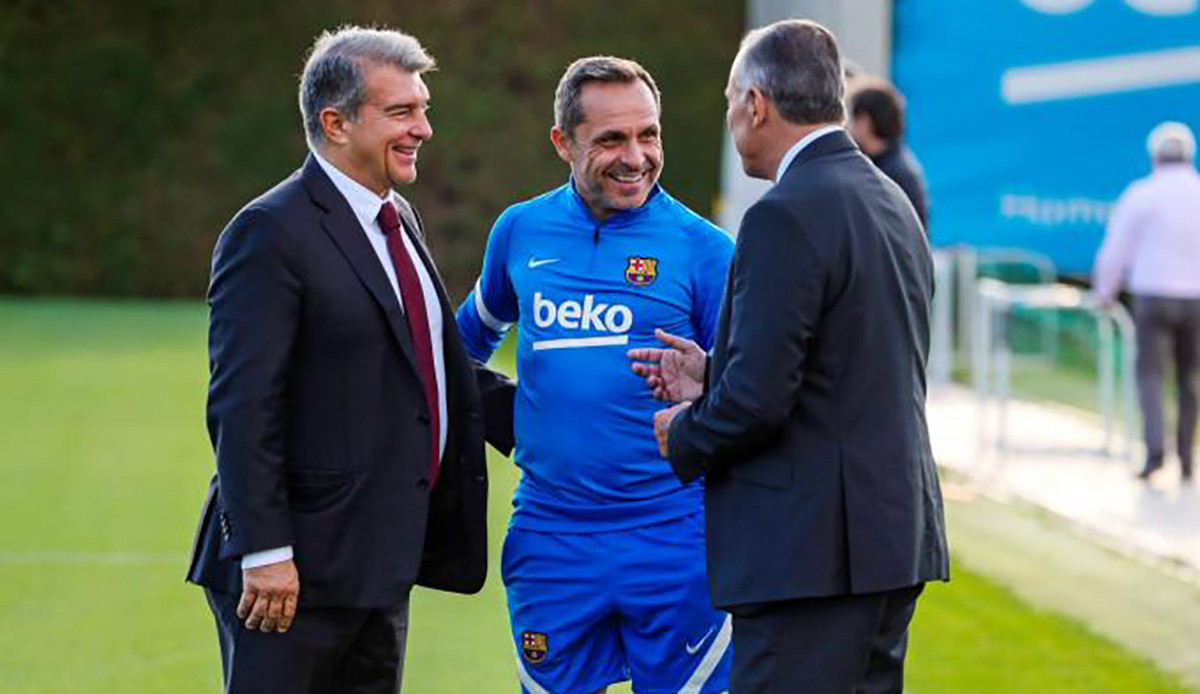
pixel 824 512
pixel 345 415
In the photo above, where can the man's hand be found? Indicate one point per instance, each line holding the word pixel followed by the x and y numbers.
pixel 662 424
pixel 675 374
pixel 269 596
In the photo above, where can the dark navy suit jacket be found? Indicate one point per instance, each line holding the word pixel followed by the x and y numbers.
pixel 811 434
pixel 318 418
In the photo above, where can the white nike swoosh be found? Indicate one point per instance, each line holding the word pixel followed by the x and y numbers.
pixel 692 649
pixel 538 263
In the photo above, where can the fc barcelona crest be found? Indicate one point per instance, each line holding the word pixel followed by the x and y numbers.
pixel 641 271
pixel 534 646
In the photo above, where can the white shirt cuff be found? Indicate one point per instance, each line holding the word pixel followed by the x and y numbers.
pixel 267 556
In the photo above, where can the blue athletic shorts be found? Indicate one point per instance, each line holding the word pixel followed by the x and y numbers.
pixel 592 609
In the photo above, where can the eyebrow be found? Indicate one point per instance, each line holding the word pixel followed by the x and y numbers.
pixel 397 106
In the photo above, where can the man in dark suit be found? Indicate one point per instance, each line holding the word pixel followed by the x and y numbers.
pixel 346 417
pixel 877 126
pixel 824 512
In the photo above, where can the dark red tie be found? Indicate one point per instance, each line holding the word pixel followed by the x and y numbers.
pixel 418 323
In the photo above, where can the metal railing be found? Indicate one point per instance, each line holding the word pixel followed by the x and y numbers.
pixel 993 305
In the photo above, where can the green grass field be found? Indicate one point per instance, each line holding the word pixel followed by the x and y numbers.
pixel 103 463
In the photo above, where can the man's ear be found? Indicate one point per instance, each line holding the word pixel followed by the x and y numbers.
pixel 334 125
pixel 758 105
pixel 561 143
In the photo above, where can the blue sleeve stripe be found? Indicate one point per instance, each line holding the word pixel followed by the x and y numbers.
pixel 485 315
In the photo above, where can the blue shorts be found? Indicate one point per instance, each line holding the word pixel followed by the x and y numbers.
pixel 592 609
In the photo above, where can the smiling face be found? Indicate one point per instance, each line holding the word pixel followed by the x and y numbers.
pixel 616 153
pixel 378 148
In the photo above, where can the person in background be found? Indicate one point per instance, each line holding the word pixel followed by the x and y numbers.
pixel 877 126
pixel 1154 235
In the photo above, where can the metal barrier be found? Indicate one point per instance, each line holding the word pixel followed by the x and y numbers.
pixel 992 359
pixel 941 348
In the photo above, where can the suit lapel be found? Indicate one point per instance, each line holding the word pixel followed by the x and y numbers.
pixel 342 226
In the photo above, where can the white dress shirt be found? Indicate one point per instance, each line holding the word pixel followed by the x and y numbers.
pixel 1154 232
pixel 366 205
pixel 800 145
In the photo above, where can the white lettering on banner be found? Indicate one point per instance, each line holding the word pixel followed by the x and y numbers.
pixel 1054 211
pixel 1097 76
pixel 1157 8
pixel 590 315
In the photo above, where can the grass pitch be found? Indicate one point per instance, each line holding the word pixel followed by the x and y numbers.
pixel 103 465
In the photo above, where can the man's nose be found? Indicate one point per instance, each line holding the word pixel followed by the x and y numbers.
pixel 633 155
pixel 422 128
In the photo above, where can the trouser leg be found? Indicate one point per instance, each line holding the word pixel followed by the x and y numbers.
pixel 1187 379
pixel 1152 347
pixel 374 661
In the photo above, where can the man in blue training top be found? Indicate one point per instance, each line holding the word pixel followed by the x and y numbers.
pixel 604 560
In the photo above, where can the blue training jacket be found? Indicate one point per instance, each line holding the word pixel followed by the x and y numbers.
pixel 582 293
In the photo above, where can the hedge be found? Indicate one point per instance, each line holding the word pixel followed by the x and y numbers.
pixel 133 129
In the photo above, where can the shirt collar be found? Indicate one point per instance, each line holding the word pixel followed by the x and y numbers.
pixel 620 217
pixel 363 201
pixel 801 144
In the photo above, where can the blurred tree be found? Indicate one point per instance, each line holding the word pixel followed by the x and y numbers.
pixel 133 129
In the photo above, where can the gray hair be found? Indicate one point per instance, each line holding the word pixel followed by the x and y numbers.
pixel 1171 143
pixel 568 109
pixel 796 64
pixel 334 75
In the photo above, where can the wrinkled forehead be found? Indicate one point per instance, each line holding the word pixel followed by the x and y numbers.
pixel 390 84
pixel 618 105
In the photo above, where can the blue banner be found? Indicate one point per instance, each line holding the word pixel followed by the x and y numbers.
pixel 1031 116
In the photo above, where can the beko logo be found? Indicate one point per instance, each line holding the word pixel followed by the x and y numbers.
pixel 614 320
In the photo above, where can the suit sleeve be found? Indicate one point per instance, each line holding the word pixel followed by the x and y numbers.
pixel 496 392
pixel 491 308
pixel 710 272
pixel 254 302
pixel 775 303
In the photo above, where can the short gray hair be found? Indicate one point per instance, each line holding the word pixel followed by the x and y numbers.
pixel 568 109
pixel 796 64
pixel 334 75
pixel 1171 142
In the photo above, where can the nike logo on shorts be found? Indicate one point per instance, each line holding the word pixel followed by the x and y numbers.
pixel 534 262
pixel 692 649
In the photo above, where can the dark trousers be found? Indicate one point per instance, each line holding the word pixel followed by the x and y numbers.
pixel 1168 330
pixel 328 650
pixel 847 644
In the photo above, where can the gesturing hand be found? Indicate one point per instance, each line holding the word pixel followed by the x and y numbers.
pixel 662 424
pixel 675 374
pixel 269 596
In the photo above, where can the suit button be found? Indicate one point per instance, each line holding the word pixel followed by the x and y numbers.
pixel 422 484
pixel 422 418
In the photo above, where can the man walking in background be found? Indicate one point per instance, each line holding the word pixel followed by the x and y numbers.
pixel 877 126
pixel 1154 233
pixel 604 559
pixel 345 415
pixel 824 511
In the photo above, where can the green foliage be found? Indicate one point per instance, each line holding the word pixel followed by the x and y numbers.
pixel 134 129
pixel 104 464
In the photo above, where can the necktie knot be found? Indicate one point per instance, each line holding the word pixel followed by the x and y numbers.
pixel 388 220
